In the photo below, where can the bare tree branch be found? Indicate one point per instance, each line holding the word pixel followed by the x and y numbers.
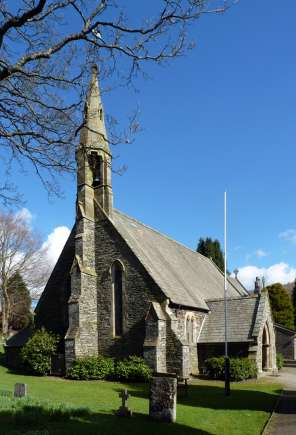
pixel 46 47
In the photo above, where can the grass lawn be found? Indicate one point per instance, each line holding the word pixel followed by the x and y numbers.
pixel 54 407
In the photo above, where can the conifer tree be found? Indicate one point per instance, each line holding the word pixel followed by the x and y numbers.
pixel 281 305
pixel 20 303
pixel 294 301
pixel 211 249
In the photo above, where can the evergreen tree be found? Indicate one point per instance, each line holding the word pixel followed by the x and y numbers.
pixel 281 305
pixel 211 249
pixel 20 302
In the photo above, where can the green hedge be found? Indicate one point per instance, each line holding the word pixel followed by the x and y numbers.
pixel 92 367
pixel 132 368
pixel 37 352
pixel 240 368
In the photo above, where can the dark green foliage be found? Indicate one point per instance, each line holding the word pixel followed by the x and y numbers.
pixel 132 368
pixel 281 305
pixel 294 301
pixel 92 367
pixel 279 360
pixel 211 249
pixel 240 368
pixel 37 352
pixel 20 303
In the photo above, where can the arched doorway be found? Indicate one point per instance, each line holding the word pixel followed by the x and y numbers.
pixel 265 349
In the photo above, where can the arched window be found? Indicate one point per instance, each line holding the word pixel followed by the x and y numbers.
pixel 117 284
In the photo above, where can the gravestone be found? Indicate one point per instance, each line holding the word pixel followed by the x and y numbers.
pixel 123 411
pixel 163 398
pixel 20 390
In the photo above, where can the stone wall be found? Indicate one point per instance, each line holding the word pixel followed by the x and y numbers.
pixel 138 290
pixel 52 308
pixel 186 349
pixel 82 335
pixel 266 322
pixel 155 343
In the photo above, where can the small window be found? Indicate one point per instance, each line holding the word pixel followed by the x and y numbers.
pixel 117 284
pixel 95 162
pixel 101 114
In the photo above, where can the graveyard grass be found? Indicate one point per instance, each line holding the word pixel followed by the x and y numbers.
pixel 58 407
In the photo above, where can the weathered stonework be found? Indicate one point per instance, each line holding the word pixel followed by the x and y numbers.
pixel 164 287
pixel 163 399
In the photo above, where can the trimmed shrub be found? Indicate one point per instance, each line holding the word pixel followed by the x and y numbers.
pixel 91 367
pixel 279 361
pixel 240 368
pixel 133 369
pixel 37 352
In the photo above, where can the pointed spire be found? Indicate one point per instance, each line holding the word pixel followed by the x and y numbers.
pixel 93 134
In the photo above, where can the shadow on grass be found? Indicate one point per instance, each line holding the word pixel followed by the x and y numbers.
pixel 213 397
pixel 35 420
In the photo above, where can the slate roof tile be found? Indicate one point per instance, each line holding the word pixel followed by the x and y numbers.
pixel 186 277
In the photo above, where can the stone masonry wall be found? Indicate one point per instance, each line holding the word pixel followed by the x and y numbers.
pixel 266 320
pixel 138 290
pixel 189 350
pixel 52 309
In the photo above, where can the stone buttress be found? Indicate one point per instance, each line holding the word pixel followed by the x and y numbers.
pixel 93 187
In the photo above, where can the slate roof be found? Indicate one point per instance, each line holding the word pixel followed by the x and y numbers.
pixel 284 329
pixel 20 338
pixel 238 285
pixel 156 307
pixel 186 277
pixel 244 315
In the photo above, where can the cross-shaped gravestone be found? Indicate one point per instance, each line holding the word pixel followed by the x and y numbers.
pixel 123 411
pixel 20 390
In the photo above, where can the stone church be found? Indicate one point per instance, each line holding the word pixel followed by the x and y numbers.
pixel 121 288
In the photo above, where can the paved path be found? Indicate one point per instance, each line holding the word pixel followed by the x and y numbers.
pixel 283 420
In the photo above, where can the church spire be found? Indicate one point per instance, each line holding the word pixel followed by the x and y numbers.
pixel 93 133
pixel 93 154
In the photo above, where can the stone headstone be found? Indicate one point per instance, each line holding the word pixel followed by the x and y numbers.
pixel 123 411
pixel 163 398
pixel 20 390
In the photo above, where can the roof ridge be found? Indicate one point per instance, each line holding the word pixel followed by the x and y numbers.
pixel 232 298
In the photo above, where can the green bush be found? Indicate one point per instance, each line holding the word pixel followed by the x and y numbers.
pixel 133 369
pixel 37 352
pixel 240 368
pixel 91 367
pixel 279 360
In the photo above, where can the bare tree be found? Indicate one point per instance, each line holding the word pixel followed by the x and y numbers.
pixel 20 253
pixel 46 48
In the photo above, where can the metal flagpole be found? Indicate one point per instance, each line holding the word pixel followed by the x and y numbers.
pixel 226 357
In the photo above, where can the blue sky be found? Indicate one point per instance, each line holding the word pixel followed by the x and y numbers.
pixel 223 117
